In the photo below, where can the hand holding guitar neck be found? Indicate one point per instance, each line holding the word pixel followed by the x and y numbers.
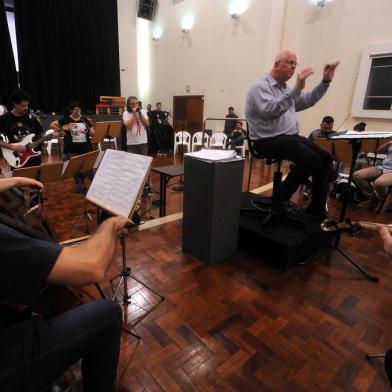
pixel 350 227
pixel 385 234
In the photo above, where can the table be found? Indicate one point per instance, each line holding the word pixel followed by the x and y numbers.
pixel 166 173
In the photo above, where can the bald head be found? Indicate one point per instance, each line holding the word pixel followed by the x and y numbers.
pixel 284 66
pixel 284 55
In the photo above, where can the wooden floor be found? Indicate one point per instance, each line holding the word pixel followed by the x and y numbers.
pixel 242 325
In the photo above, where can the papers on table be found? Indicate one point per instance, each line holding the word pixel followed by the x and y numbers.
pixel 214 155
pixel 363 135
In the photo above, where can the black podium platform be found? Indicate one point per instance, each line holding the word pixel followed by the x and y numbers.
pixel 280 243
pixel 212 200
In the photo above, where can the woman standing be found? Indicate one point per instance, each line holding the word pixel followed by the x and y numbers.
pixel 77 134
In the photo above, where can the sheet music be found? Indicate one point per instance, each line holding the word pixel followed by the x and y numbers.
pixel 363 135
pixel 119 181
pixel 213 155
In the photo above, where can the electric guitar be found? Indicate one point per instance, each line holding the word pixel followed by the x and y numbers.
pixel 18 160
pixel 348 226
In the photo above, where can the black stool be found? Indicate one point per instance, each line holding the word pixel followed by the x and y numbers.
pixel 262 205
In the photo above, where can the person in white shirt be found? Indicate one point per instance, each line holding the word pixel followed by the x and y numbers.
pixel 136 123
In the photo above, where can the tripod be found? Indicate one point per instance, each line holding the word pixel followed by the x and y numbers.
pixel 84 215
pixel 356 146
pixel 124 275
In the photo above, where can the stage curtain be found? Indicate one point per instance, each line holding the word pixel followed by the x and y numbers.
pixel 68 50
pixel 8 75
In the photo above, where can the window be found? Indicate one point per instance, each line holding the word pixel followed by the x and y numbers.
pixel 373 94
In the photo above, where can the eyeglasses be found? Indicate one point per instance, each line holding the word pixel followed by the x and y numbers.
pixel 291 62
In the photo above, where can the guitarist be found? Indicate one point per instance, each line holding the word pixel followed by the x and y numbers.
pixel 17 124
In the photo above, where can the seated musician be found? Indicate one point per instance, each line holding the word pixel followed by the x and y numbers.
pixel 17 124
pixel 35 352
pixel 326 128
pixel 271 108
pixel 237 136
pixel 78 131
pixel 375 181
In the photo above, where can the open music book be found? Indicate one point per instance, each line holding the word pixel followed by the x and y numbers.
pixel 119 181
pixel 213 155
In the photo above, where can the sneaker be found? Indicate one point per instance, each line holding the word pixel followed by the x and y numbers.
pixel 369 203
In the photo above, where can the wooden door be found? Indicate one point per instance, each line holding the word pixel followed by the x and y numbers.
pixel 188 113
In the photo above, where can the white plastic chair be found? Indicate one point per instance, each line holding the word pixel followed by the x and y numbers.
pixel 243 149
pixel 182 138
pixel 110 140
pixel 51 141
pixel 197 140
pixel 218 140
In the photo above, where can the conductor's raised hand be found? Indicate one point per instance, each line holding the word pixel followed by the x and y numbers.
pixel 329 71
pixel 301 77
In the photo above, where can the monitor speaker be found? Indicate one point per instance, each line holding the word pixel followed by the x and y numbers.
pixel 147 9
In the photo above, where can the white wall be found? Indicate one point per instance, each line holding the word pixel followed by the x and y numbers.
pixel 221 59
pixel 339 31
pixel 126 10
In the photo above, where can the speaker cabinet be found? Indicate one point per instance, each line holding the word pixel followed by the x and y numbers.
pixel 147 9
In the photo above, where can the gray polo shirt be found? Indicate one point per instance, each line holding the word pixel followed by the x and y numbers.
pixel 271 107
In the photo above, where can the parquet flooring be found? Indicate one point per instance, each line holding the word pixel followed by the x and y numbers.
pixel 242 325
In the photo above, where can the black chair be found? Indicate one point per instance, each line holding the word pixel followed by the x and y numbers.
pixel 262 205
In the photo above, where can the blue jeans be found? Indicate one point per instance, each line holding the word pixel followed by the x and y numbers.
pixel 79 177
pixel 34 353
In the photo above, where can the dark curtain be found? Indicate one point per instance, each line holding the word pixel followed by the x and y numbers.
pixel 68 50
pixel 8 77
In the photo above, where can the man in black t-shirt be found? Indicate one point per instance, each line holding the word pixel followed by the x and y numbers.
pixel 17 124
pixel 161 128
pixel 230 124
pixel 35 352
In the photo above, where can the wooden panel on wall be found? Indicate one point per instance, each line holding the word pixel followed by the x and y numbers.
pixel 188 113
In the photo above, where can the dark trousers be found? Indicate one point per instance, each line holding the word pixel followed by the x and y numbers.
pixel 34 353
pixel 309 159
pixel 140 149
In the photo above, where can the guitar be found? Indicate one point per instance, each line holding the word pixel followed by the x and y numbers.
pixel 18 160
pixel 348 226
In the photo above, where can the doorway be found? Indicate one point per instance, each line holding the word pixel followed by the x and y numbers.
pixel 188 113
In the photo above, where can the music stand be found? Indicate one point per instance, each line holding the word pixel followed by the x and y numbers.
pixel 101 129
pixel 116 188
pixel 355 141
pixel 113 132
pixel 81 164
